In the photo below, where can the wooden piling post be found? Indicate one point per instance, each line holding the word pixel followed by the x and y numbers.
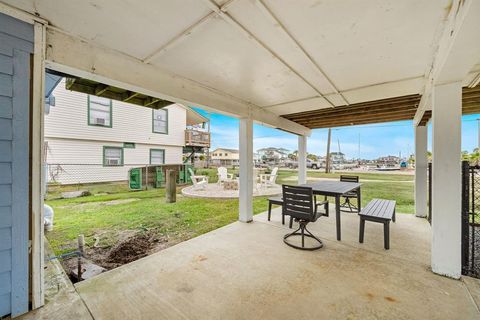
pixel 81 245
pixel 171 186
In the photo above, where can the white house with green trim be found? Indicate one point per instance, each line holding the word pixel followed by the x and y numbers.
pixel 94 139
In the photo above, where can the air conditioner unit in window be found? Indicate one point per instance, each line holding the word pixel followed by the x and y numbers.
pixel 113 162
pixel 99 121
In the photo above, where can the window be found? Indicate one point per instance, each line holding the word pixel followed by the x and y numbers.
pixel 129 145
pixel 157 156
pixel 160 121
pixel 99 111
pixel 226 154
pixel 112 156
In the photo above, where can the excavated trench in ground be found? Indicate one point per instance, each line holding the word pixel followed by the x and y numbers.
pixel 129 249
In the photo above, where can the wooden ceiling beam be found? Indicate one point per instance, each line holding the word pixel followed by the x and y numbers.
pixel 370 104
pixel 378 115
pixel 363 122
pixel 148 101
pixel 358 112
pixel 380 118
pixel 130 95
pixel 100 89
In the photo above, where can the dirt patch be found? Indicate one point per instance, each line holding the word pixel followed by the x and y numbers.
pixel 129 249
pixel 131 246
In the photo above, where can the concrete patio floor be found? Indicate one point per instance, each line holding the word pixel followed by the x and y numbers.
pixel 245 271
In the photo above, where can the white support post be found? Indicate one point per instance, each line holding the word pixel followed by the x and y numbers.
pixel 421 170
pixel 302 159
pixel 446 179
pixel 246 170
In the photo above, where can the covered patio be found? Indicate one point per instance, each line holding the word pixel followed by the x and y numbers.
pixel 244 271
pixel 290 65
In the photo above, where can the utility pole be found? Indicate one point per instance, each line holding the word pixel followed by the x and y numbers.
pixel 478 143
pixel 327 162
pixel 358 148
pixel 358 158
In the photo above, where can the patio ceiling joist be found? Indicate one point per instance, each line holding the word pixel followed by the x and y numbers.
pixel 110 92
pixel 72 55
pixel 392 109
pixel 470 104
pixel 384 110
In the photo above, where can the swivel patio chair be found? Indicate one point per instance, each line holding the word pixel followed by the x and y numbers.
pixel 298 203
pixel 347 203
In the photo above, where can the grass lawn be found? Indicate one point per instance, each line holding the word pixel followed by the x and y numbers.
pixel 112 210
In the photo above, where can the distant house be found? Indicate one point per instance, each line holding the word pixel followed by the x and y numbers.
pixel 337 157
pixel 95 139
pixel 388 160
pixel 225 157
pixel 272 154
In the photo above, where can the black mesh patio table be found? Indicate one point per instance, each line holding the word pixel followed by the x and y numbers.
pixel 335 189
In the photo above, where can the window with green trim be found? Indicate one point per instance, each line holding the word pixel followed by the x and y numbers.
pixel 130 145
pixel 112 156
pixel 99 111
pixel 157 156
pixel 160 121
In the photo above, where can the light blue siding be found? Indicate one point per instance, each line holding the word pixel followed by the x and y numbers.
pixel 5 282
pixel 6 154
pixel 6 64
pixel 16 46
pixel 5 216
pixel 6 173
pixel 5 303
pixel 5 239
pixel 6 258
pixel 5 107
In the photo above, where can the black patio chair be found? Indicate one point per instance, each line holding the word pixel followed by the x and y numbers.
pixel 298 203
pixel 349 195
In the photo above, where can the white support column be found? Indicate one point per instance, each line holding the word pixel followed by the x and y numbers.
pixel 446 179
pixel 246 170
pixel 302 159
pixel 421 169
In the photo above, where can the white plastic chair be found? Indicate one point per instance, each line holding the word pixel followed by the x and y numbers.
pixel 199 182
pixel 223 175
pixel 268 180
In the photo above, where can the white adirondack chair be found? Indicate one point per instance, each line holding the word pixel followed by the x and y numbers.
pixel 199 182
pixel 268 180
pixel 223 175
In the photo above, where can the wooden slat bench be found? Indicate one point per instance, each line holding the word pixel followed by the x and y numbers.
pixel 381 211
pixel 277 201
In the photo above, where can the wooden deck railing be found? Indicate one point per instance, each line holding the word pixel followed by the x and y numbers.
pixel 196 138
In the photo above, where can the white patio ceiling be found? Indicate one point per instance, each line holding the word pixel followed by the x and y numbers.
pixel 282 56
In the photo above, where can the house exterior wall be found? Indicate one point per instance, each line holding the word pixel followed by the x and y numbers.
pixel 16 45
pixel 75 149
pixel 225 157
pixel 73 161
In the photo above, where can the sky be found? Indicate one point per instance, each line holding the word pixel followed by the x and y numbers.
pixel 393 138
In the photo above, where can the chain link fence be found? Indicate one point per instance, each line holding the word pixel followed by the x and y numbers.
pixel 97 178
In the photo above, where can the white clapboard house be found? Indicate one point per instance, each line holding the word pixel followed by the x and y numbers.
pixel 92 139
